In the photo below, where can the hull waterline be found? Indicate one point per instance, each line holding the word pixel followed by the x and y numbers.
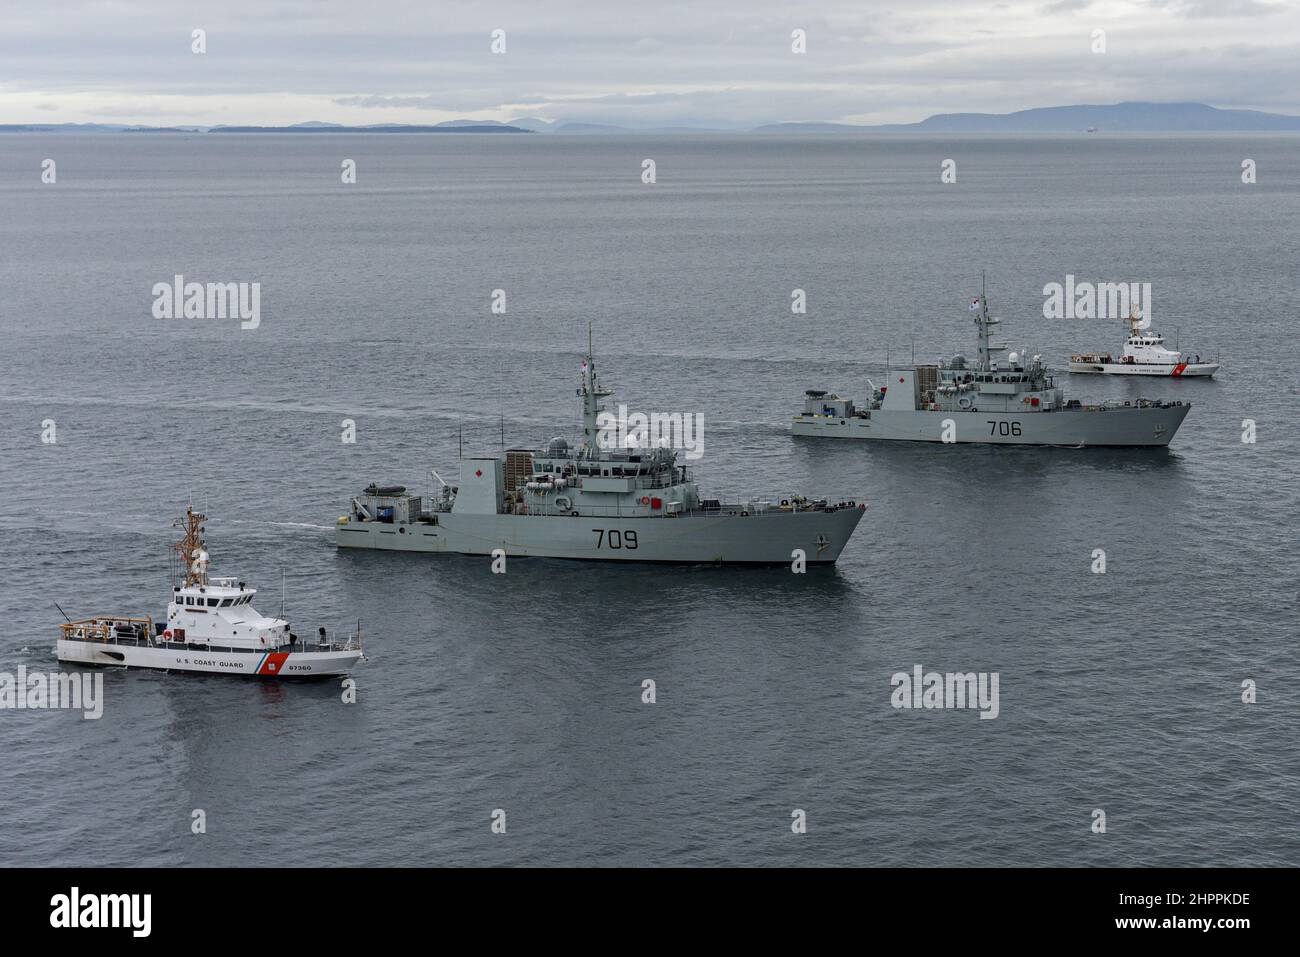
pixel 768 538
pixel 1123 426
pixel 178 657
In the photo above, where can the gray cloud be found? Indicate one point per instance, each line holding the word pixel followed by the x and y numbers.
pixel 668 63
pixel 1219 9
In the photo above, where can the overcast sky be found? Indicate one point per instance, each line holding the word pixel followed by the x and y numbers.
pixel 649 63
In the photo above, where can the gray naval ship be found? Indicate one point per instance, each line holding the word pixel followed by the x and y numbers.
pixel 995 401
pixel 631 504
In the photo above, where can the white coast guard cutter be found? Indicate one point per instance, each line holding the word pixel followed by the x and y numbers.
pixel 1144 354
pixel 211 627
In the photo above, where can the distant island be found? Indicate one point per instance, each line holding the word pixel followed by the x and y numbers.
pixel 455 126
pixel 1113 118
pixel 1116 118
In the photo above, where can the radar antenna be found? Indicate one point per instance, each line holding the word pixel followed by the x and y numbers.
pixel 193 555
pixel 1134 322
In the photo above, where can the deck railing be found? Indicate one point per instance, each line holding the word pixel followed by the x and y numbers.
pixel 104 629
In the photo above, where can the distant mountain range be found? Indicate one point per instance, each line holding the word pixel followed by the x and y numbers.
pixel 453 126
pixel 1115 118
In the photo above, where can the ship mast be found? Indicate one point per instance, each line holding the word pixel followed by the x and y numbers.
pixel 591 393
pixel 984 323
pixel 193 554
pixel 1134 323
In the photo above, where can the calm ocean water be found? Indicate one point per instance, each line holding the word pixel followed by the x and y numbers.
pixel 1118 692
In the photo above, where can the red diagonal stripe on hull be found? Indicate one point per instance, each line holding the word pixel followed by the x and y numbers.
pixel 274 663
pixel 1178 369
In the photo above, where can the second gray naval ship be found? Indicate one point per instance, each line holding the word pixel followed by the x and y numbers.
pixel 626 504
pixel 1011 402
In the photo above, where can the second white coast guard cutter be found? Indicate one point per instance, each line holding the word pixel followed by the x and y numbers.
pixel 629 504
pixel 1144 354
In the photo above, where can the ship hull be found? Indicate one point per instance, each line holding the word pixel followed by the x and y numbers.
pixel 1122 426
pixel 1183 370
pixel 761 538
pixel 253 664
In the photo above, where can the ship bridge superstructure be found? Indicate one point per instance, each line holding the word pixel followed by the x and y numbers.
pixel 594 478
pixel 997 381
pixel 215 610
